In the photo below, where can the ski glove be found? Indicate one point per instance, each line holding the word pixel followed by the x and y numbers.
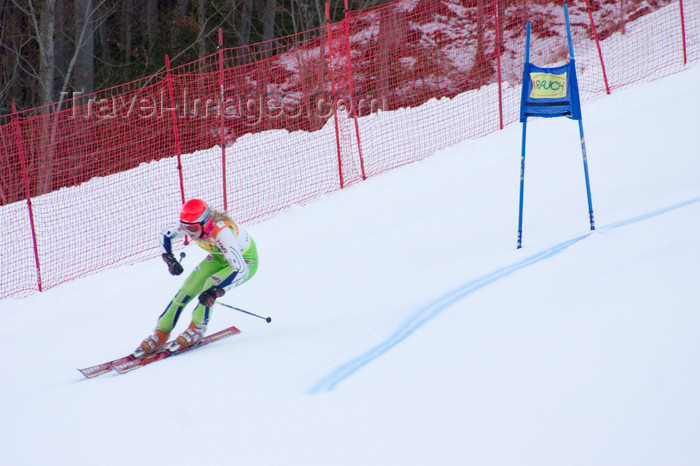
pixel 174 267
pixel 208 297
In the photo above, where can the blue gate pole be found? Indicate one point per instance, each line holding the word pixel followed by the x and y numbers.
pixel 580 128
pixel 522 153
pixel 522 187
pixel 568 30
pixel 585 171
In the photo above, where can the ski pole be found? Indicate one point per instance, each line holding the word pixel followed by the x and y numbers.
pixel 266 319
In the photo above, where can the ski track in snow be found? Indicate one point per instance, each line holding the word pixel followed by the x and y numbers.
pixel 342 372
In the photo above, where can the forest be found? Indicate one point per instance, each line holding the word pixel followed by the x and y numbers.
pixel 114 104
pixel 53 48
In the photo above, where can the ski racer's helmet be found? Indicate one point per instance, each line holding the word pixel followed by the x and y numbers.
pixel 195 218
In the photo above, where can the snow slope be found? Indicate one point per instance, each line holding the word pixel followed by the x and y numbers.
pixel 406 327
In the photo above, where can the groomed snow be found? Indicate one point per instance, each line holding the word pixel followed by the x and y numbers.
pixel 406 326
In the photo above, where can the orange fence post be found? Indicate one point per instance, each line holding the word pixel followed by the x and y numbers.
pixel 354 104
pixel 221 115
pixel 27 191
pixel 597 43
pixel 175 133
pixel 329 38
pixel 498 61
pixel 685 57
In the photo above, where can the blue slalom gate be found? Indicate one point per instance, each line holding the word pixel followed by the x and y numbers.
pixel 549 93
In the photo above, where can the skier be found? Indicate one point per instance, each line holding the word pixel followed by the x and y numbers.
pixel 232 260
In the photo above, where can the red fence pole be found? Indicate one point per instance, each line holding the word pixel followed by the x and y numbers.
pixel 351 86
pixel 498 61
pixel 335 103
pixel 222 141
pixel 597 43
pixel 174 120
pixel 685 57
pixel 27 191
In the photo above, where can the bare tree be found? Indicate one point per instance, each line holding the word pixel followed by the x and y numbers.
pixel 126 42
pixel 45 180
pixel 482 68
pixel 267 13
pixel 179 11
pixel 202 22
pixel 151 21
pixel 43 25
pixel 389 39
pixel 84 75
pixel 246 18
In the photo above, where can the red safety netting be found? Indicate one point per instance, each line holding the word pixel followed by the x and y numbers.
pixel 86 184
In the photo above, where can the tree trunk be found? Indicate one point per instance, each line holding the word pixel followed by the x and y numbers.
pixel 482 69
pixel 61 50
pixel 268 19
pixel 45 37
pixel 246 18
pixel 388 41
pixel 84 75
pixel 127 41
pixel 104 42
pixel 202 21
pixel 152 31
pixel 181 7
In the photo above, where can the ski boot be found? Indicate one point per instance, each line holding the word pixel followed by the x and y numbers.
pixel 152 344
pixel 189 337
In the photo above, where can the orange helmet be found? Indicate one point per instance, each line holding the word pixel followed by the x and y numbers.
pixel 195 217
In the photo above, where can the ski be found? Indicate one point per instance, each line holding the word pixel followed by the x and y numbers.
pixel 99 369
pixel 130 362
pixel 129 365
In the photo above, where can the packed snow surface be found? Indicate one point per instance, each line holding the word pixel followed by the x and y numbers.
pixel 406 326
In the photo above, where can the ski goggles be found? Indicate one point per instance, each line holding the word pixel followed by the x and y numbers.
pixel 194 229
